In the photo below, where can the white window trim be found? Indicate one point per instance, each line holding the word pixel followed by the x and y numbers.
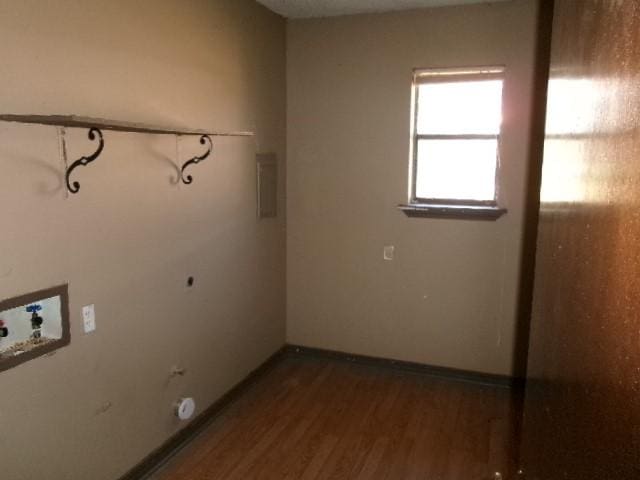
pixel 451 208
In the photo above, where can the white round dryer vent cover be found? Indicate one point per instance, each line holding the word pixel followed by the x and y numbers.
pixel 185 408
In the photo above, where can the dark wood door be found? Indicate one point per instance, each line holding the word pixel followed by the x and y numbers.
pixel 582 408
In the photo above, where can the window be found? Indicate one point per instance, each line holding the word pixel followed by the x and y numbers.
pixel 457 114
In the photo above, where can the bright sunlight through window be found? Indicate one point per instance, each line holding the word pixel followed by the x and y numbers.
pixel 456 133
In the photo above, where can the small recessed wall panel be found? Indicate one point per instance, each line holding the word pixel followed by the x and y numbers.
pixel 267 185
pixel 32 325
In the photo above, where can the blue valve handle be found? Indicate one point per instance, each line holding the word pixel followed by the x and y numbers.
pixel 34 308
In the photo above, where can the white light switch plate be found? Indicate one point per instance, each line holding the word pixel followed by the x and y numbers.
pixel 89 318
pixel 389 250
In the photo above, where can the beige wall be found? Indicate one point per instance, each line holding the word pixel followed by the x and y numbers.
pixel 449 297
pixel 130 238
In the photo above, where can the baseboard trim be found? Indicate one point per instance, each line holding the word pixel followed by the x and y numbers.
pixel 401 365
pixel 159 456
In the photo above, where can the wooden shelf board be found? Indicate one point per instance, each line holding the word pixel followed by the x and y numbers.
pixel 74 121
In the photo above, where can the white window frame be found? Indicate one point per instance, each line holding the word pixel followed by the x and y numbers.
pixel 441 75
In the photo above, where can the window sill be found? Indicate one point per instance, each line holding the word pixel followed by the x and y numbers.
pixel 469 212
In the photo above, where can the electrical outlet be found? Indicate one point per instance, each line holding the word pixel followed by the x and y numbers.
pixel 89 318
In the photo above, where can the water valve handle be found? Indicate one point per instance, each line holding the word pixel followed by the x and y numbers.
pixel 36 321
pixel 34 308
pixel 4 331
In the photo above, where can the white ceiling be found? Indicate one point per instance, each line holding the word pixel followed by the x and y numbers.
pixel 328 8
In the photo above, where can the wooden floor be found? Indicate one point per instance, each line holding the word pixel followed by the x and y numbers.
pixel 328 419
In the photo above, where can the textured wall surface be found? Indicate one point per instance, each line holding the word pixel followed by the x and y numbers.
pixel 450 296
pixel 129 240
pixel 582 415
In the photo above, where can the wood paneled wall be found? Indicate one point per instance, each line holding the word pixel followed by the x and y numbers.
pixel 582 411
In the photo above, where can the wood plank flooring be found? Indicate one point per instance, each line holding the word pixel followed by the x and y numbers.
pixel 311 419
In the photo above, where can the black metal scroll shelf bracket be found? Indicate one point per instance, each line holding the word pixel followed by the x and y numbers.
pixel 94 134
pixel 95 128
pixel 204 140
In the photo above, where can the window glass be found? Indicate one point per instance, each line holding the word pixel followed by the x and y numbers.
pixel 456 169
pixel 472 107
